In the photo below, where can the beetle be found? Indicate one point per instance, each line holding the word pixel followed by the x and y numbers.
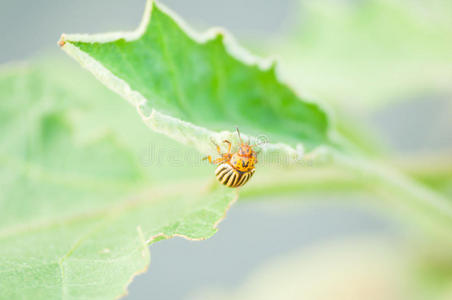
pixel 234 169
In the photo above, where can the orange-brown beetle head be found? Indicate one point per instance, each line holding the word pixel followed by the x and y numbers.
pixel 245 150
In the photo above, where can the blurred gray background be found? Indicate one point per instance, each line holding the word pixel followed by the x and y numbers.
pixel 255 231
pixel 28 27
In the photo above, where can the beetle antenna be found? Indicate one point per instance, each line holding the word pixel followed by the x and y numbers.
pixel 238 132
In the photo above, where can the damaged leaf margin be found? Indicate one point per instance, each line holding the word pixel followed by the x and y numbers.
pixel 182 131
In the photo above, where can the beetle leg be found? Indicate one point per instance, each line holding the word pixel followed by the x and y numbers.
pixel 218 160
pixel 216 145
pixel 213 161
pixel 229 145
pixel 209 158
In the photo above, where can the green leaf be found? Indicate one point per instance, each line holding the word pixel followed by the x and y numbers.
pixel 195 87
pixel 191 86
pixel 79 202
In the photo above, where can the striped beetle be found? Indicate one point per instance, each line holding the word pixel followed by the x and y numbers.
pixel 234 169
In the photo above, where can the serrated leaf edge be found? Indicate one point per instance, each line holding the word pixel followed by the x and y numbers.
pixel 147 253
pixel 184 132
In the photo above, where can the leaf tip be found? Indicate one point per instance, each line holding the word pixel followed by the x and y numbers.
pixel 219 36
pixel 61 41
pixel 272 67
